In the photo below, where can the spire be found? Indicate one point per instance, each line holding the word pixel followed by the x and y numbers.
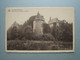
pixel 38 14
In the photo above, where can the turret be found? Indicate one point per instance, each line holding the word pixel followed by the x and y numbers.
pixel 38 24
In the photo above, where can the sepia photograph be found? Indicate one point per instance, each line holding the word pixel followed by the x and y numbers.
pixel 39 29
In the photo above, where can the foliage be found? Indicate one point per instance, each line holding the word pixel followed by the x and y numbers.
pixel 27 32
pixel 14 32
pixel 46 28
pixel 63 32
pixel 22 37
pixel 35 45
pixel 30 21
pixel 48 37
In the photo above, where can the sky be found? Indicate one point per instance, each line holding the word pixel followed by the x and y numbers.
pixel 22 14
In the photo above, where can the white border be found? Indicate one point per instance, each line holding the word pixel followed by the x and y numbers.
pixel 38 51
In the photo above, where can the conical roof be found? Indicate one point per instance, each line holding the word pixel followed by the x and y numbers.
pixel 39 17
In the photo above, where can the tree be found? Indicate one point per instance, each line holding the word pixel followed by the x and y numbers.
pixel 27 31
pixel 14 33
pixel 46 28
pixel 30 21
pixel 9 33
pixel 64 32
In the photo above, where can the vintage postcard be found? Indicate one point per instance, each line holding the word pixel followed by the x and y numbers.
pixel 39 29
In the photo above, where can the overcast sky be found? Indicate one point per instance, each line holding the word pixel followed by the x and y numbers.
pixel 22 14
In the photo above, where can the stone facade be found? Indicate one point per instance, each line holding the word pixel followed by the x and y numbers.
pixel 38 24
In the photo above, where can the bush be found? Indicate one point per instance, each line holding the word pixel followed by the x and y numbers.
pixel 44 37
pixel 48 37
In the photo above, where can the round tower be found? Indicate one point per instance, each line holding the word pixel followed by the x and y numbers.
pixel 38 24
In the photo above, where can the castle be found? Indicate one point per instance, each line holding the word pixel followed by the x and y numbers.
pixel 38 24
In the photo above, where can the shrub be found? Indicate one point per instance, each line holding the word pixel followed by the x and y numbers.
pixel 48 37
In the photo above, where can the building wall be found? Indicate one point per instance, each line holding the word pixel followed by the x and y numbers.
pixel 37 27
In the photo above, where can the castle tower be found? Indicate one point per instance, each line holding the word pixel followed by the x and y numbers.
pixel 38 24
pixel 53 22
